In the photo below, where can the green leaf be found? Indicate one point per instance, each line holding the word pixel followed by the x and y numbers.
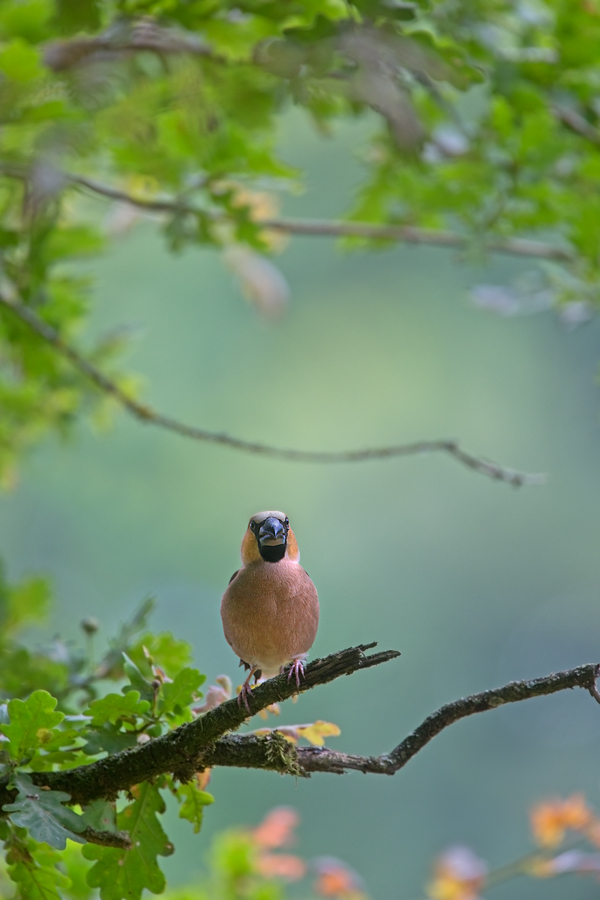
pixel 20 61
pixel 194 801
pixel 123 874
pixel 137 680
pixel 27 19
pixel 179 694
pixel 108 738
pixel 33 868
pixel 31 723
pixel 78 15
pixel 43 814
pixel 165 651
pixel 113 707
pixel 52 744
pixel 27 602
pixel 100 815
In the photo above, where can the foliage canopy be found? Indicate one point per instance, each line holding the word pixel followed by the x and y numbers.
pixel 484 136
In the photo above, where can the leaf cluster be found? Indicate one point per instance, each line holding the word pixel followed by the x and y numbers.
pixel 37 736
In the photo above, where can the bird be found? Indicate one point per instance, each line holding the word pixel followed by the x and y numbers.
pixel 270 609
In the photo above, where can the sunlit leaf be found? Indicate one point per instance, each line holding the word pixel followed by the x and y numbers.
pixel 137 681
pixel 168 652
pixel 193 800
pixel 113 707
pixel 178 695
pixel 31 723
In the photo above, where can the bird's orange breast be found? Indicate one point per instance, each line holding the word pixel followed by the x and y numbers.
pixel 270 613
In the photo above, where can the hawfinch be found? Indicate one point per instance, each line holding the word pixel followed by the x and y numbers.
pixel 270 610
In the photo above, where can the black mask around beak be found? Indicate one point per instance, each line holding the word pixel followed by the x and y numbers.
pixel 272 533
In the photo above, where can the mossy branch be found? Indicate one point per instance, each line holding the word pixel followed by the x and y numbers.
pixel 180 751
pixel 208 741
pixel 248 751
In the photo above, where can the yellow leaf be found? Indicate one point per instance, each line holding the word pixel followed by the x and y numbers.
pixel 317 732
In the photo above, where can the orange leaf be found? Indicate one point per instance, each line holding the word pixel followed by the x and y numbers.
pixel 550 820
pixel 281 865
pixel 202 779
pixel 276 829
pixel 337 880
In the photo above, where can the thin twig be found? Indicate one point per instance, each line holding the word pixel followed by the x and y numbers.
pixel 107 838
pixel 147 414
pixel 411 235
pixel 332 228
pixel 576 122
pixel 595 692
pixel 142 35
pixel 407 234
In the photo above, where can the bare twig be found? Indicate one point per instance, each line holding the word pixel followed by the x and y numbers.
pixel 147 414
pixel 576 122
pixel 410 235
pixel 169 205
pixel 121 40
pixel 595 692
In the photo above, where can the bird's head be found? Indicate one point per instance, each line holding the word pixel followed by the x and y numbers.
pixel 269 537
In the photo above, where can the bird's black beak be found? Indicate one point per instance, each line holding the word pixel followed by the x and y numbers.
pixel 272 533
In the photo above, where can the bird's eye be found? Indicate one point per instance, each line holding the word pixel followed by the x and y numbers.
pixel 287 522
pixel 252 526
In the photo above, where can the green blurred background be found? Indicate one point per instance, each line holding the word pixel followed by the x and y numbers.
pixel 476 583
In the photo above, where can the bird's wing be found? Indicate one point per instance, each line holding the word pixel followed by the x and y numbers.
pixel 233 576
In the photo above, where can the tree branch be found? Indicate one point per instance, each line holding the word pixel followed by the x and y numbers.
pixel 208 742
pixel 577 123
pixel 411 235
pixel 122 39
pixel 407 234
pixel 333 228
pixel 146 35
pixel 147 414
pixel 250 752
pixel 119 839
pixel 180 751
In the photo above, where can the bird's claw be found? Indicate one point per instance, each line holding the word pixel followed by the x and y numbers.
pixel 245 690
pixel 296 669
pixel 242 697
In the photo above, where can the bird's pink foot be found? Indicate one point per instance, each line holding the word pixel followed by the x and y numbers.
pixel 297 670
pixel 246 690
